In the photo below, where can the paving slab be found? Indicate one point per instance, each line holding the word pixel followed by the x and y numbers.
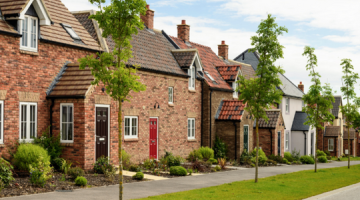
pixel 151 188
pixel 351 192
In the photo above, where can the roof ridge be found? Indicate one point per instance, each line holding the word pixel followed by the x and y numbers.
pixel 241 54
pixel 192 42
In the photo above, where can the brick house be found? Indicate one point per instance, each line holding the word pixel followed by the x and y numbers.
pixel 353 142
pixel 37 39
pixel 332 140
pixel 167 116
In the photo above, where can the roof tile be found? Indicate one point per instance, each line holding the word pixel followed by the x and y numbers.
pixel 230 110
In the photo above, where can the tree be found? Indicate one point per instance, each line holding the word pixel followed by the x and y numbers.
pixel 262 91
pixel 318 100
pixel 120 20
pixel 348 89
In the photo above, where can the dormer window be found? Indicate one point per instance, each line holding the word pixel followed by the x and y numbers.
pixel 29 30
pixel 191 73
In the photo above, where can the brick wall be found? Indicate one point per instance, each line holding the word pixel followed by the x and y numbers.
pixel 336 145
pixel 245 120
pixel 346 146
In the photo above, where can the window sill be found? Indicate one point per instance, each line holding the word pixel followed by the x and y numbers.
pixel 171 104
pixel 131 139
pixel 29 52
pixel 192 90
pixel 192 140
pixel 67 144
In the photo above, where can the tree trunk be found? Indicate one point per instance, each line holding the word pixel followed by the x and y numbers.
pixel 349 146
pixel 257 151
pixel 316 139
pixel 120 154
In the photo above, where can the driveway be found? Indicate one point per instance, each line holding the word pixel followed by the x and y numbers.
pixel 151 188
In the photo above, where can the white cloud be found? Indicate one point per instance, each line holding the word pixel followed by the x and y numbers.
pixel 172 2
pixel 79 5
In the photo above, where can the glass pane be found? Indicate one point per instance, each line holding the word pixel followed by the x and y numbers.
pixel 133 126
pixel 33 36
pixel 133 131
pixel 70 131
pixel 25 32
pixel 193 77
pixel 189 73
pixel 127 130
pixel 70 114
pixel 189 124
pixel 63 131
pixel 64 114
pixel 193 128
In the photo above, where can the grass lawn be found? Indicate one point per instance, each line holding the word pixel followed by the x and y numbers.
pixel 297 185
pixel 346 159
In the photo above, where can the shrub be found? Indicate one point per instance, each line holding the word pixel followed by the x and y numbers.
pixel 190 171
pixel 288 156
pixel 30 154
pixel 75 172
pixel 307 160
pixel 328 157
pixel 295 155
pixel 220 148
pixel 271 162
pixel 198 165
pixel 40 173
pixel 101 164
pixel 252 165
pixel 174 160
pixel 50 143
pixel 245 158
pixel 320 153
pixel 66 166
pixel 6 175
pixel 213 161
pixel 297 162
pixel 81 181
pixel 194 155
pixel 148 164
pixel 217 168
pixel 134 168
pixel 138 176
pixel 285 161
pixel 262 157
pixel 110 173
pixel 327 152
pixel 322 159
pixel 206 153
pixel 222 163
pixel 125 159
pixel 178 171
pixel 57 163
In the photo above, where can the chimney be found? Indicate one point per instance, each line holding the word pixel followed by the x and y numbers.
pixel 148 19
pixel 301 86
pixel 223 50
pixel 184 31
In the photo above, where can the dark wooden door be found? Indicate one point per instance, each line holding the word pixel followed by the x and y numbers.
pixel 153 138
pixel 101 132
pixel 246 138
pixel 279 143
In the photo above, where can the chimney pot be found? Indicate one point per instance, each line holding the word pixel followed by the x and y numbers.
pixel 223 50
pixel 223 42
pixel 301 86
pixel 148 19
pixel 183 22
pixel 184 31
pixel 148 6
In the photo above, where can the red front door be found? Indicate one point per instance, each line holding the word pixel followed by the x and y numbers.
pixel 153 138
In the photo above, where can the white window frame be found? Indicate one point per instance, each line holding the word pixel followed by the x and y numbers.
pixel 61 122
pixel 171 94
pixel 189 129
pixel 191 73
pixel 27 138
pixel 2 122
pixel 131 136
pixel 287 105
pixel 287 134
pixel 332 144
pixel 28 47
pixel 234 86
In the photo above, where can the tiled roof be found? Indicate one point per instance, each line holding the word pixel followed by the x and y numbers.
pixel 151 49
pixel 72 82
pixel 55 32
pixel 273 116
pixel 352 133
pixel 336 106
pixel 332 131
pixel 246 69
pixel 210 60
pixel 229 72
pixel 184 58
pixel 299 120
pixel 230 110
pixel 87 23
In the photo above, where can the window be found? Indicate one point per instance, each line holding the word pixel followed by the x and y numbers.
pixel 234 86
pixel 67 123
pixel 287 140
pixel 210 77
pixel 28 121
pixel 331 145
pixel 131 127
pixel 71 32
pixel 287 105
pixel 191 73
pixel 171 95
pixel 1 122
pixel 29 31
pixel 191 128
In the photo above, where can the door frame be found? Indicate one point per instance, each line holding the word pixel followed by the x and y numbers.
pixel 157 136
pixel 102 106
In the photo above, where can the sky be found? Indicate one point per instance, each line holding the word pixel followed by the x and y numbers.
pixel 330 26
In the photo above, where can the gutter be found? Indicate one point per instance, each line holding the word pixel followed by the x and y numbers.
pixel 210 116
pixel 162 72
pixel 69 45
pixel 305 142
pixel 10 34
pixel 220 89
pixel 202 111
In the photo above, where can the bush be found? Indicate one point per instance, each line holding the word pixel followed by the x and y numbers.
pixel 194 155
pixel 220 148
pixel 271 162
pixel 173 160
pixel 148 164
pixel 213 161
pixel 66 165
pixel 285 161
pixel 252 165
pixel 206 153
pixel 288 156
pixel 178 171
pixel 245 158
pixel 217 168
pixel 75 172
pixel 30 154
pixel 57 163
pixel 134 168
pixel 40 173
pixel 138 176
pixel 110 173
pixel 327 152
pixel 297 162
pixel 320 153
pixel 6 175
pixel 222 163
pixel 262 156
pixel 190 171
pixel 81 181
pixel 198 165
pixel 322 159
pixel 101 164
pixel 50 143
pixel 328 157
pixel 125 159
pixel 307 160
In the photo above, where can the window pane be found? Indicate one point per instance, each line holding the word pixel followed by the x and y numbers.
pixel 134 126
pixel 23 121
pixel 127 126
pixel 193 77
pixel 64 114
pixel 70 109
pixel 193 128
pixel 63 131
pixel 189 73
pixel 70 131
pixel 189 128
pixel 25 32
pixel 33 33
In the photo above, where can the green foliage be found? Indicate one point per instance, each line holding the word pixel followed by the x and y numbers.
pixel 295 155
pixel 6 175
pixel 262 156
pixel 66 166
pixel 30 154
pixel 172 160
pixel 178 171
pixel 101 164
pixel 194 155
pixel 245 158
pixel 148 164
pixel 40 172
pixel 190 171
pixel 322 159
pixel 75 172
pixel 81 181
pixel 110 172
pixel 138 176
pixel 50 143
pixel 217 168
pixel 307 160
pixel 252 165
pixel 328 157
pixel 206 153
pixel 57 163
pixel 213 161
pixel 134 168
pixel 288 156
pixel 222 163
pixel 220 148
pixel 271 162
pixel 327 153
pixel 125 159
pixel 320 153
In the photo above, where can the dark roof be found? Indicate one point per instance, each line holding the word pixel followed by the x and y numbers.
pixel 229 72
pixel 273 116
pixel 332 131
pixel 184 58
pixel 72 82
pixel 250 58
pixel 230 110
pixel 87 23
pixel 299 120
pixel 336 106
pixel 352 133
pixel 209 60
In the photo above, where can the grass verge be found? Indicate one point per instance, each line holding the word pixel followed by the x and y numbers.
pixel 297 185
pixel 346 159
